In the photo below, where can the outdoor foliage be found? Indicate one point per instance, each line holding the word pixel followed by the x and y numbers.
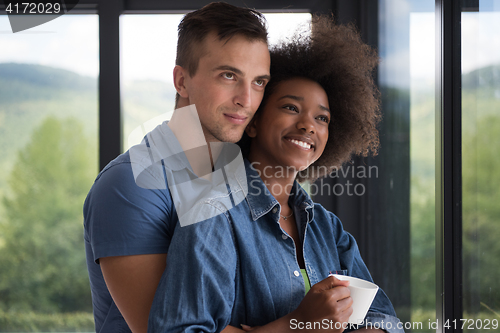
pixel 43 278
pixel 42 262
pixel 481 213
pixel 42 322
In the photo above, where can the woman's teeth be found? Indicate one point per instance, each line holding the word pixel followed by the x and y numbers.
pixel 301 143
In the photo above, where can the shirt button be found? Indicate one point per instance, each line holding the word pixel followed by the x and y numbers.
pixel 284 236
pixel 275 210
pixel 296 273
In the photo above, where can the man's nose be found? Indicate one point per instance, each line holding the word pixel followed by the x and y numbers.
pixel 243 95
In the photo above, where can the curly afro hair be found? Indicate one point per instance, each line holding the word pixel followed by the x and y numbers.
pixel 335 57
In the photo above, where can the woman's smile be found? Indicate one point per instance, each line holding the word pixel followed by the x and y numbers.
pixel 291 129
pixel 301 143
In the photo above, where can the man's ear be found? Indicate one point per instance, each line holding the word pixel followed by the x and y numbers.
pixel 180 75
pixel 251 129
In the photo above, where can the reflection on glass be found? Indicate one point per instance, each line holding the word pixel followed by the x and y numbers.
pixel 480 158
pixel 48 135
pixel 422 141
pixel 406 76
pixel 148 47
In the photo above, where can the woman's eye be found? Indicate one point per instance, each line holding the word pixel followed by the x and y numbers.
pixel 324 118
pixel 229 76
pixel 291 108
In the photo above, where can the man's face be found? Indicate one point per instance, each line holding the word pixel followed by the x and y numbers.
pixel 228 85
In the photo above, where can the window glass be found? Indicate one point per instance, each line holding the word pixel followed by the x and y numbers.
pixel 148 48
pixel 406 161
pixel 422 165
pixel 48 135
pixel 480 160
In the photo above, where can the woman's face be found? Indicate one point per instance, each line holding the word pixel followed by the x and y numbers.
pixel 291 130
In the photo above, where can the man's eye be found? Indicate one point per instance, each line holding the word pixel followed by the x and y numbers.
pixel 229 76
pixel 260 83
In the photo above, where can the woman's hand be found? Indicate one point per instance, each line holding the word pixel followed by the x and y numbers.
pixel 329 299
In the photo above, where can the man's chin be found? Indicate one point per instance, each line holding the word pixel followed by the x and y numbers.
pixel 229 137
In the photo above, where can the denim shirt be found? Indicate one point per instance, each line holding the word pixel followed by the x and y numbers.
pixel 136 202
pixel 240 266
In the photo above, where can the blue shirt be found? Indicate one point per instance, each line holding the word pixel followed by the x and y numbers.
pixel 240 266
pixel 128 211
pixel 134 205
pixel 121 218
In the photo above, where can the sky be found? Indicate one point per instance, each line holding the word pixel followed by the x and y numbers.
pixel 148 43
pixel 69 42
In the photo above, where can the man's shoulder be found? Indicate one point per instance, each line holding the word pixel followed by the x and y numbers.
pixel 117 186
pixel 126 173
pixel 120 165
pixel 215 207
pixel 122 218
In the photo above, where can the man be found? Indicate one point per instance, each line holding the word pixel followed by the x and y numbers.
pixel 221 70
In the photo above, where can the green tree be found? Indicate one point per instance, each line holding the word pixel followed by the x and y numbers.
pixel 423 272
pixel 42 257
pixel 481 213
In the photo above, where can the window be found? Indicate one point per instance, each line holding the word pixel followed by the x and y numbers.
pixel 49 129
pixel 480 172
pixel 405 191
pixel 48 121
pixel 148 48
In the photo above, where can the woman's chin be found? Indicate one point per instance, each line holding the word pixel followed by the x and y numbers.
pixel 300 166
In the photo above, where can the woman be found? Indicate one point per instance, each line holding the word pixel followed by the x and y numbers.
pixel 252 264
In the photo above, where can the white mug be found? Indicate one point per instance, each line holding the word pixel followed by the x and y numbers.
pixel 362 292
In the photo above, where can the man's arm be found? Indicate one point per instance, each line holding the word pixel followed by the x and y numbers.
pixel 132 282
pixel 196 292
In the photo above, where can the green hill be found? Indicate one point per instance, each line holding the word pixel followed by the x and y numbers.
pixel 480 97
pixel 30 93
pixel 487 78
pixel 143 100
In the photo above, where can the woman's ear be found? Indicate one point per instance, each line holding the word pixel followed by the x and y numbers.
pixel 180 75
pixel 251 129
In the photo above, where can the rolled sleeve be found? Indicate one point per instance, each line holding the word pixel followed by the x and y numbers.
pixel 385 322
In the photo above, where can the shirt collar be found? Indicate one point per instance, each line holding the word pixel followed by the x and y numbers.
pixel 261 201
pixel 163 143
